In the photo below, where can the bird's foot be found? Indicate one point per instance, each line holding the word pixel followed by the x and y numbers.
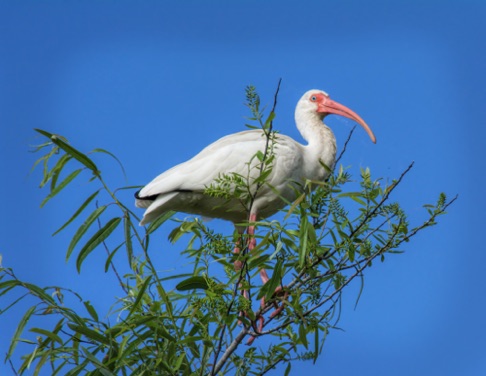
pixel 259 322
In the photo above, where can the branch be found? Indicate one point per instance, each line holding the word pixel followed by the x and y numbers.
pixel 345 146
pixel 231 348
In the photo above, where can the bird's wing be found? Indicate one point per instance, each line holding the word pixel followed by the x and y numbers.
pixel 229 154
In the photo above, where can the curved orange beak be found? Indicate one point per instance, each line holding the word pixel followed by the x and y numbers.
pixel 328 106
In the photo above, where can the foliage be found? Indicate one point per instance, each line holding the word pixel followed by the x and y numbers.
pixel 330 234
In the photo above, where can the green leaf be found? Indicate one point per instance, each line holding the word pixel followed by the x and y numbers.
pixel 99 150
pixel 96 239
pixel 184 228
pixel 56 170
pixel 268 290
pixel 259 155
pixel 262 178
pixel 179 361
pixel 79 211
pixel 140 296
pixel 91 310
pixel 40 364
pixel 52 336
pixel 90 333
pixel 193 283
pixel 128 237
pixel 7 286
pixel 287 370
pixel 303 335
pixel 255 262
pixel 351 249
pixel 76 154
pixel 83 228
pixel 39 292
pixel 61 186
pixel 110 257
pixel 294 205
pixel 159 221
pixel 20 328
pixel 269 120
pixel 304 226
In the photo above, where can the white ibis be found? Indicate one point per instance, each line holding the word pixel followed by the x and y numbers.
pixel 182 187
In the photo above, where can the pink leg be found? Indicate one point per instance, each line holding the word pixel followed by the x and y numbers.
pixel 238 264
pixel 236 250
pixel 265 278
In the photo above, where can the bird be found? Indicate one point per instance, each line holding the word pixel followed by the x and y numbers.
pixel 183 188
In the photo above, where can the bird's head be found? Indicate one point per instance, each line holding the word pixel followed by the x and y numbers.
pixel 319 102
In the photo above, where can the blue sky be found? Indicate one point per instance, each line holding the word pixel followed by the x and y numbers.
pixel 154 82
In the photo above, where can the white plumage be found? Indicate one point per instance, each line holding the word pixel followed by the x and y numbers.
pixel 181 188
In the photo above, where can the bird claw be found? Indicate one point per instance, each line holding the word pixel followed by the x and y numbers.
pixel 279 292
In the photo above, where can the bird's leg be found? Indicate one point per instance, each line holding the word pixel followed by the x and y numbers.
pixel 258 325
pixel 238 264
pixel 251 232
pixel 252 243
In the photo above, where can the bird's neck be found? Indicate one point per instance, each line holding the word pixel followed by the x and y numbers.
pixel 321 141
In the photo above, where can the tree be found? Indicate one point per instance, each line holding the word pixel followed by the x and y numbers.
pixel 328 236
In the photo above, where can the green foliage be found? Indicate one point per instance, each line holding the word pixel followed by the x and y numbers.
pixel 331 233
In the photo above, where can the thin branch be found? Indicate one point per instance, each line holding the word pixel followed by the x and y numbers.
pixel 272 366
pixel 267 144
pixel 344 147
pixel 120 281
pixel 230 306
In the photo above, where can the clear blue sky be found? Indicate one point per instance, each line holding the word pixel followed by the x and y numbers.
pixel 154 82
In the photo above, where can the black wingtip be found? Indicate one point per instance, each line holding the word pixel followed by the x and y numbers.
pixel 137 195
pixel 146 198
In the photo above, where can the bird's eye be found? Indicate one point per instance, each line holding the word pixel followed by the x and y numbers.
pixel 313 98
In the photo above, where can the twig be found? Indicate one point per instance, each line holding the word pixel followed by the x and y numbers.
pixel 344 147
pixel 265 152
pixel 221 336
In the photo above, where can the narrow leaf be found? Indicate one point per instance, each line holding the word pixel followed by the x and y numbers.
pixel 287 370
pixel 57 169
pixel 53 336
pixel 275 280
pixel 91 310
pixel 83 228
pixel 96 239
pixel 19 330
pixel 193 283
pixel 70 150
pixel 159 221
pixel 303 335
pixel 110 257
pixel 98 150
pixel 90 333
pixel 39 292
pixel 294 205
pixel 140 296
pixel 61 186
pixel 128 237
pixel 78 212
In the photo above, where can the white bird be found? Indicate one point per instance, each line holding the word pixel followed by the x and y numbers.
pixel 182 188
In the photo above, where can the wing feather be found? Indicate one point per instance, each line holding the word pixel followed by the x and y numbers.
pixel 228 154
